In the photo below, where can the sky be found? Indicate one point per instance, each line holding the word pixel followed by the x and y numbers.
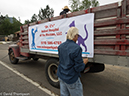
pixel 26 8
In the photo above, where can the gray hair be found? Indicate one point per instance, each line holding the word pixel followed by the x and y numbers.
pixel 71 33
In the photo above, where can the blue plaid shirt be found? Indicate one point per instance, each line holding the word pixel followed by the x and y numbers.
pixel 70 61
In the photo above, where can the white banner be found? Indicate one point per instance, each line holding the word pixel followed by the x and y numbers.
pixel 46 37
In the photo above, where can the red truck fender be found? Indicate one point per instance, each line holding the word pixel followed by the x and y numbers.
pixel 15 49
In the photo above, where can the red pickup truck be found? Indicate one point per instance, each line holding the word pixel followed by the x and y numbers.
pixel 111 40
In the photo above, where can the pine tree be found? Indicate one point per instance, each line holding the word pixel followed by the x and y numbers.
pixel 76 5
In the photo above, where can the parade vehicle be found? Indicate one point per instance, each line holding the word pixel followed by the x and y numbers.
pixel 109 33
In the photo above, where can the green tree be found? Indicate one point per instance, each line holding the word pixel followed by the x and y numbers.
pixel 85 4
pixel 43 13
pixel 16 25
pixel 27 22
pixel 7 26
pixel 94 3
pixel 34 18
pixel 1 18
pixel 74 4
pixel 46 13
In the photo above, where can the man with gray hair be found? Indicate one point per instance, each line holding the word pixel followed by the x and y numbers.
pixel 70 65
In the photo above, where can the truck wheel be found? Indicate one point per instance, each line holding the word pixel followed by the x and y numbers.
pixel 51 70
pixel 12 58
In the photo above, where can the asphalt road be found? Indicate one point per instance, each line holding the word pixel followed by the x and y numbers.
pixel 113 81
pixel 12 84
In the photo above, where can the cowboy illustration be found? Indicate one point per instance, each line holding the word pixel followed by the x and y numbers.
pixel 33 37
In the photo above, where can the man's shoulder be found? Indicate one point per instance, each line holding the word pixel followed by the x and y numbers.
pixel 75 45
pixel 62 44
pixel 69 44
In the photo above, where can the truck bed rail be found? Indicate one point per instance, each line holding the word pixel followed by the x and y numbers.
pixel 111 32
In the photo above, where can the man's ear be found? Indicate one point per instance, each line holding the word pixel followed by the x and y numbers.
pixel 74 39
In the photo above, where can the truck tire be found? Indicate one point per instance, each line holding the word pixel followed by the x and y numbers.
pixel 50 71
pixel 12 58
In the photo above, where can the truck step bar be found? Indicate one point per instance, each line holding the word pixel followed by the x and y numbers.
pixel 22 58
